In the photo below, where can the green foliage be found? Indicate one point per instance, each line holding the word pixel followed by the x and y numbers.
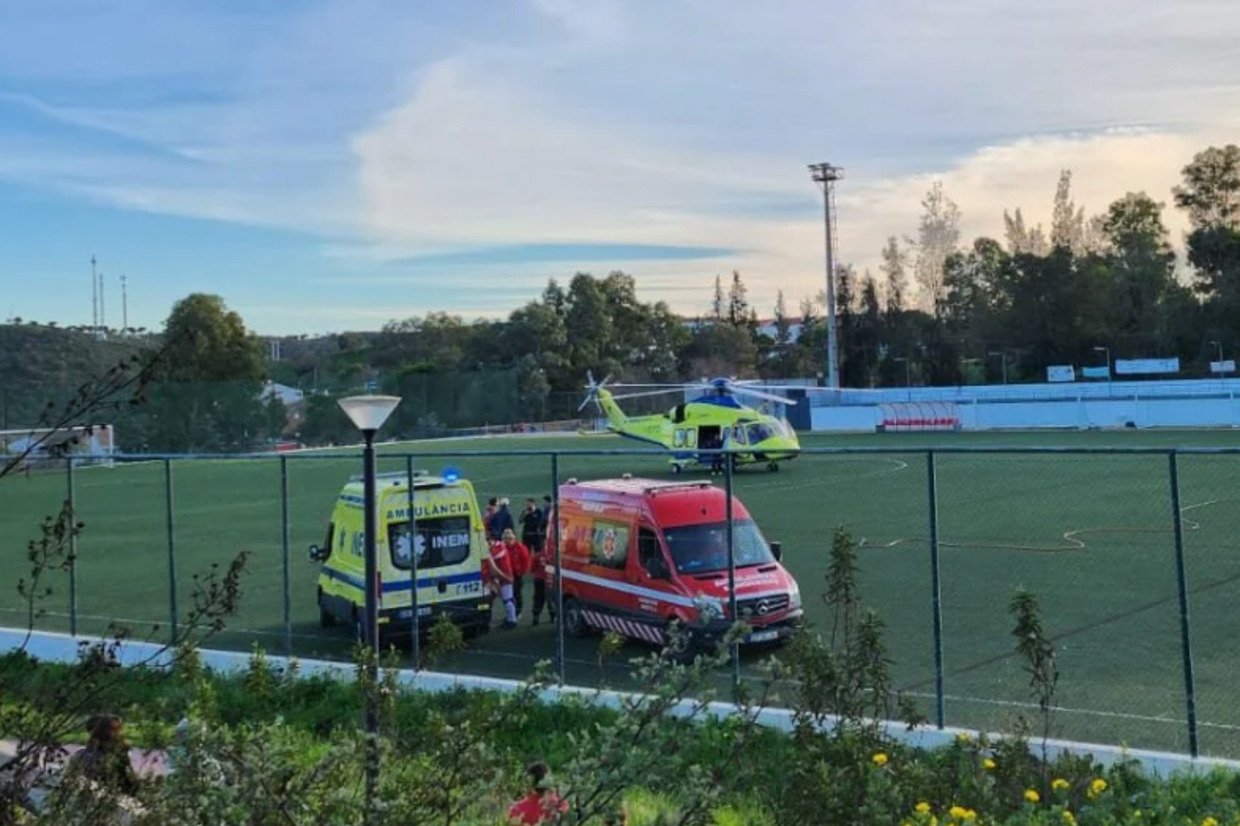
pixel 444 639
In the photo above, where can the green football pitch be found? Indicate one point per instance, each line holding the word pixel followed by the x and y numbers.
pixel 1090 533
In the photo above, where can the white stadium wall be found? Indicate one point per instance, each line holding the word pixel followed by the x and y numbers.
pixel 1055 406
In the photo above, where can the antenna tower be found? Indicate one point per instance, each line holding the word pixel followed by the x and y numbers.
pixel 825 175
pixel 94 297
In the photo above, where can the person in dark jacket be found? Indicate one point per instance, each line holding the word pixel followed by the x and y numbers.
pixel 500 521
pixel 544 555
pixel 531 526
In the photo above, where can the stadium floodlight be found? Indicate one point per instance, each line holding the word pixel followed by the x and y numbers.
pixel 368 413
pixel 1098 348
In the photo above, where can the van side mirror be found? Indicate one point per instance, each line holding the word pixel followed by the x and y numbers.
pixel 316 554
pixel 777 551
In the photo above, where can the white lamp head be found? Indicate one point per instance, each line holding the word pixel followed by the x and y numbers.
pixel 369 412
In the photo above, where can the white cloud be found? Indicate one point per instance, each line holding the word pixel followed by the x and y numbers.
pixel 474 159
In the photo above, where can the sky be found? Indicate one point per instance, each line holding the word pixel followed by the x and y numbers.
pixel 333 165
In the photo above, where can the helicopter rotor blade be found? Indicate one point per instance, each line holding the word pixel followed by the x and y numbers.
pixel 758 394
pixel 662 392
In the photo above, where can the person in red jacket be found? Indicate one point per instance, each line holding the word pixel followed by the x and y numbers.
pixel 499 575
pixel 522 561
pixel 541 804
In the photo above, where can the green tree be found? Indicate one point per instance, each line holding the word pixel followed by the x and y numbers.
pixel 325 423
pixel 938 236
pixel 719 350
pixel 1142 266
pixel 1211 189
pixel 207 392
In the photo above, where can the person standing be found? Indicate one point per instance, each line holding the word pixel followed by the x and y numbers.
pixel 544 555
pixel 499 567
pixel 520 559
pixel 487 513
pixel 500 521
pixel 531 526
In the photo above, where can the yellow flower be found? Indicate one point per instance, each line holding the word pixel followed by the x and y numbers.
pixel 969 816
pixel 1209 821
pixel 963 737
pixel 957 811
pixel 879 759
pixel 922 808
pixel 988 763
pixel 1032 795
pixel 1096 787
pixel 1069 818
pixel 1059 784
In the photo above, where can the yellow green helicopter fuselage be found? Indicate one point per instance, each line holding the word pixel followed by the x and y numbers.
pixel 710 423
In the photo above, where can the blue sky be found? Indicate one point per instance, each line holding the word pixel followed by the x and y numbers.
pixel 331 165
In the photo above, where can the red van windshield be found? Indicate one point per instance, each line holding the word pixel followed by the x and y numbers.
pixel 698 549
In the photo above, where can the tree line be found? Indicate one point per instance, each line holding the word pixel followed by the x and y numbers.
pixel 938 312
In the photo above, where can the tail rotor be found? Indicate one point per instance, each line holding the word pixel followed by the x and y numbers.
pixel 592 389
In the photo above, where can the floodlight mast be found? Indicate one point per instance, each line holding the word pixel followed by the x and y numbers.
pixel 825 175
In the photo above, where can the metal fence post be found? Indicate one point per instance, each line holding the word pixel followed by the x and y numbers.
pixel 559 582
pixel 73 519
pixel 936 600
pixel 732 612
pixel 414 620
pixel 1181 577
pixel 288 606
pixel 172 556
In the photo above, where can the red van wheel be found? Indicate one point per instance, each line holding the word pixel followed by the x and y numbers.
pixel 574 620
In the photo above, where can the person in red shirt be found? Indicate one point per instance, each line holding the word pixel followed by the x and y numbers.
pixel 522 561
pixel 499 573
pixel 541 804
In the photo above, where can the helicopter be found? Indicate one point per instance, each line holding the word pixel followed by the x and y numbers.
pixel 714 420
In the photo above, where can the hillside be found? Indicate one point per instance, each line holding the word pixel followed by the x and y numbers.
pixel 39 364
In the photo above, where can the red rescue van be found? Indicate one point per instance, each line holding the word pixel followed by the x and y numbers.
pixel 639 553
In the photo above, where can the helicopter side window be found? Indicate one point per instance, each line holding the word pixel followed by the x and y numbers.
pixel 738 435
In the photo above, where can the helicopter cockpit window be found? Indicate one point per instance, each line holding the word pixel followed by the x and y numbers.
pixel 738 435
pixel 761 432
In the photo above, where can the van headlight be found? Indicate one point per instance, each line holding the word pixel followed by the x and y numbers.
pixel 709 608
pixel 794 596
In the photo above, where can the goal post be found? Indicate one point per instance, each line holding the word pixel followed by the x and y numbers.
pixel 913 417
pixel 87 444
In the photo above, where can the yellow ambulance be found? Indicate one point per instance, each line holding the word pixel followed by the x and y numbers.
pixel 446 548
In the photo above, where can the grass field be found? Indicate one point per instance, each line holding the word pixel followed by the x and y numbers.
pixel 1091 534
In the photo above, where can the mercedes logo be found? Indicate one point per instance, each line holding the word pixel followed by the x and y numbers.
pixel 763 608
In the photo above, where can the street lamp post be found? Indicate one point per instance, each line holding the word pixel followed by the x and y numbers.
pixel 368 413
pixel 1107 350
pixel 1001 354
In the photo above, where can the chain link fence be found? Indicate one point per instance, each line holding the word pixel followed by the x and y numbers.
pixel 1132 552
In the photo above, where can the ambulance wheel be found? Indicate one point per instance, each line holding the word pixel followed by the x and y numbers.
pixel 326 618
pixel 574 620
pixel 676 469
pixel 773 467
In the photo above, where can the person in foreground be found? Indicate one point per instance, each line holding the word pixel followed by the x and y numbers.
pixel 541 804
